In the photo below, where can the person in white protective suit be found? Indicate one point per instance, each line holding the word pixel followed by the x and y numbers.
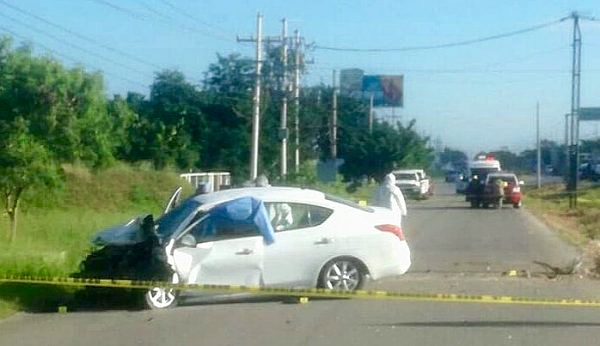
pixel 281 216
pixel 388 195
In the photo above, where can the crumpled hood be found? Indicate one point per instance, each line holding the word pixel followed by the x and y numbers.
pixel 127 234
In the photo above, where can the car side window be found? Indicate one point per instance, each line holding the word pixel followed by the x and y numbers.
pixel 213 229
pixel 292 216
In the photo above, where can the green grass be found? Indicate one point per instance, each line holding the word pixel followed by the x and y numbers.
pixel 578 225
pixel 54 227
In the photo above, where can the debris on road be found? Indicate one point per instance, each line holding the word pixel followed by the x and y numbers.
pixel 552 271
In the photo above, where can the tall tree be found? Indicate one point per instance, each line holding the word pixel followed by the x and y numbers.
pixel 24 163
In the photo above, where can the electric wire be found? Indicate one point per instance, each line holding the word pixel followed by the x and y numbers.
pixel 72 45
pixel 169 23
pixel 81 37
pixel 67 57
pixel 444 45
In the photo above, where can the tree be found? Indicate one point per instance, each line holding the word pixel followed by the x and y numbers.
pixel 388 147
pixel 456 158
pixel 24 162
pixel 63 108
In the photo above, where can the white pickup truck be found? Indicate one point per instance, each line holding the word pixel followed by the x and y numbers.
pixel 413 182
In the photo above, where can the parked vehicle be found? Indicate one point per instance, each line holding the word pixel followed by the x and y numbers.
pixel 462 183
pixel 271 236
pixel 413 183
pixel 497 189
pixel 452 176
pixel 479 168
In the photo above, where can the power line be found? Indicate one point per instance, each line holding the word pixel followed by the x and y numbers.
pixel 444 45
pixel 171 23
pixel 120 9
pixel 72 45
pixel 82 37
pixel 193 18
pixel 64 56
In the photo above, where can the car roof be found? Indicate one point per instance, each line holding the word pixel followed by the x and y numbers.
pixel 484 164
pixel 409 171
pixel 271 192
pixel 502 174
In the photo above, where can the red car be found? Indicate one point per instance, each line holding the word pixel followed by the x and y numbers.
pixel 512 187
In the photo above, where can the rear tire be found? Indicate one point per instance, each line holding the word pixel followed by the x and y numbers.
pixel 474 204
pixel 517 205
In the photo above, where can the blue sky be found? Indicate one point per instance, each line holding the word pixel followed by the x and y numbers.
pixel 477 97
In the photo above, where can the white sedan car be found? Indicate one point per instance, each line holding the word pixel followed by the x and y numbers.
pixel 316 240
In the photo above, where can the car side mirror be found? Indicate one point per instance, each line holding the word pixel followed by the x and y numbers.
pixel 188 240
pixel 521 182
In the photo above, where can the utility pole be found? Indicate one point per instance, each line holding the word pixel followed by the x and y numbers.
pixel 256 98
pixel 575 96
pixel 539 149
pixel 334 119
pixel 297 103
pixel 567 172
pixel 284 87
pixel 371 113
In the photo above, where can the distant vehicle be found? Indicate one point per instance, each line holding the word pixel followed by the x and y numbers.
pixel 488 193
pixel 483 166
pixel 480 168
pixel 462 182
pixel 452 176
pixel 589 171
pixel 413 182
pixel 270 236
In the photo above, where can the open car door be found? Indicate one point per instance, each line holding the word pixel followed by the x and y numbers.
pixel 174 200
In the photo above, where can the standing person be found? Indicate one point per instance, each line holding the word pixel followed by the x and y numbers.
pixel 262 181
pixel 388 195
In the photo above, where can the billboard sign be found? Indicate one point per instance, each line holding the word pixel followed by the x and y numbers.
pixel 589 113
pixel 351 82
pixel 387 90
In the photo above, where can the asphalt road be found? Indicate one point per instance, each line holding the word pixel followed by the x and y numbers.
pixel 455 250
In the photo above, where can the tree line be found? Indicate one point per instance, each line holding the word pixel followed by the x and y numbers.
pixel 51 114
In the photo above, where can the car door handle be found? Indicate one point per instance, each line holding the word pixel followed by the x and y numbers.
pixel 324 241
pixel 244 252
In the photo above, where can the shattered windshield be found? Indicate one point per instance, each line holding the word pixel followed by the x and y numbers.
pixel 170 222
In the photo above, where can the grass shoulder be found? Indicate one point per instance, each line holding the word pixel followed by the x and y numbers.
pixel 55 226
pixel 579 226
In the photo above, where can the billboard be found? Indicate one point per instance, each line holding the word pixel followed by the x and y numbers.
pixel 351 80
pixel 387 90
pixel 590 113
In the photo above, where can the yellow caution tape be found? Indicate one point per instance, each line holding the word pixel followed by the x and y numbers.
pixel 303 294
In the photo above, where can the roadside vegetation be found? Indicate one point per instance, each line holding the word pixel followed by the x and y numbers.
pixel 580 226
pixel 55 225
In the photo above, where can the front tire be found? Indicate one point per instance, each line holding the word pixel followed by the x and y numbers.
pixel 342 274
pixel 158 298
pixel 161 298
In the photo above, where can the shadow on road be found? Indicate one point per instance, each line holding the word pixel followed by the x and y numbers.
pixel 48 299
pixel 490 324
